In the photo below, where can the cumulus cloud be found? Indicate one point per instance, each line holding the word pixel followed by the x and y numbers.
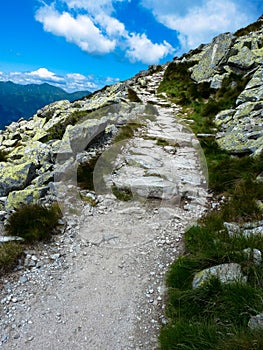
pixel 142 49
pixel 79 30
pixel 91 25
pixel 199 22
pixel 44 74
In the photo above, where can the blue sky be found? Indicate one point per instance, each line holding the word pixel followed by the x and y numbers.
pixel 86 44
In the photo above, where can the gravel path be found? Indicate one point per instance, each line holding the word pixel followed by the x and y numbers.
pixel 100 285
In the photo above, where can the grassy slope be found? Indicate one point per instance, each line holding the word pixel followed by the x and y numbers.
pixel 215 316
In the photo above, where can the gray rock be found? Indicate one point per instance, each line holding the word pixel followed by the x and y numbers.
pixel 16 177
pixel 227 273
pixel 243 59
pixel 28 196
pixel 149 187
pixel 4 239
pixel 256 322
pixel 256 255
pixel 217 51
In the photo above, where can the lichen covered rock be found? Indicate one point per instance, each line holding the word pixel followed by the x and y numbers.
pixel 16 177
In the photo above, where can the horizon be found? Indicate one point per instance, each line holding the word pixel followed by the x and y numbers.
pixel 78 45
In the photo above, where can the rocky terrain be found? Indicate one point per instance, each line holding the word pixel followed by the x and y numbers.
pixel 107 268
pixel 100 283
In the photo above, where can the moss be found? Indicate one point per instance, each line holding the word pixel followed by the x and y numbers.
pixel 162 142
pixel 127 131
pixel 122 194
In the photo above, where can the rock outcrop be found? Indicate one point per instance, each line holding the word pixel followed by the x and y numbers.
pixel 240 128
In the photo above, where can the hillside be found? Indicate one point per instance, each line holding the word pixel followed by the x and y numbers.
pixel 159 180
pixel 17 101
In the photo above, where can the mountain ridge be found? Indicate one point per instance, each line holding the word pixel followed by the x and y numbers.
pixel 22 101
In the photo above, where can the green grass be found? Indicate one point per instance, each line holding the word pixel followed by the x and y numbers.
pixel 200 101
pixel 122 194
pixel 34 222
pixel 127 131
pixel 10 252
pixel 215 316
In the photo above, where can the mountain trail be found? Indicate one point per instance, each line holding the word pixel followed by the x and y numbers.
pixel 105 287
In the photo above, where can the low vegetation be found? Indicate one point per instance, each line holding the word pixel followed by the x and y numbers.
pixel 34 222
pixel 250 28
pixel 122 194
pixel 10 252
pixel 127 131
pixel 215 315
pixel 199 101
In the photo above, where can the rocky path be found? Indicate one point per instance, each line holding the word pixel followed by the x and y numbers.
pixel 101 284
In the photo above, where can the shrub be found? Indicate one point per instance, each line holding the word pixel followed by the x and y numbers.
pixel 34 222
pixel 10 252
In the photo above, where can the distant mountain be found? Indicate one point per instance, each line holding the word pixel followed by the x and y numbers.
pixel 18 101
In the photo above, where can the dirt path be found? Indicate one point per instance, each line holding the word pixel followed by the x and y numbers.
pixel 105 288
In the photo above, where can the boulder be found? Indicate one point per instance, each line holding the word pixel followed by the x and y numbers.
pixel 148 187
pixel 34 151
pixel 28 196
pixel 217 52
pixel 16 177
pixel 81 135
pixel 244 59
pixel 227 273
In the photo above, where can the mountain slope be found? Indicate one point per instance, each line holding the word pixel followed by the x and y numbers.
pixel 18 101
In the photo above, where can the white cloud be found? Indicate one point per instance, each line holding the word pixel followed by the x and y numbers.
pixel 111 25
pixel 69 82
pixel 76 76
pixel 92 26
pixel 95 6
pixel 79 30
pixel 44 74
pixel 143 50
pixel 200 21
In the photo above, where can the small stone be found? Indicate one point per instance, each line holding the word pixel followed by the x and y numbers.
pixel 54 256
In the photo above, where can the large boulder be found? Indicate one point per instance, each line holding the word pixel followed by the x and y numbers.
pixel 28 196
pixel 33 151
pixel 16 177
pixel 214 55
pixel 244 59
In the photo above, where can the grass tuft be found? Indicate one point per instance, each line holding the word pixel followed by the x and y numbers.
pixel 10 252
pixel 33 222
